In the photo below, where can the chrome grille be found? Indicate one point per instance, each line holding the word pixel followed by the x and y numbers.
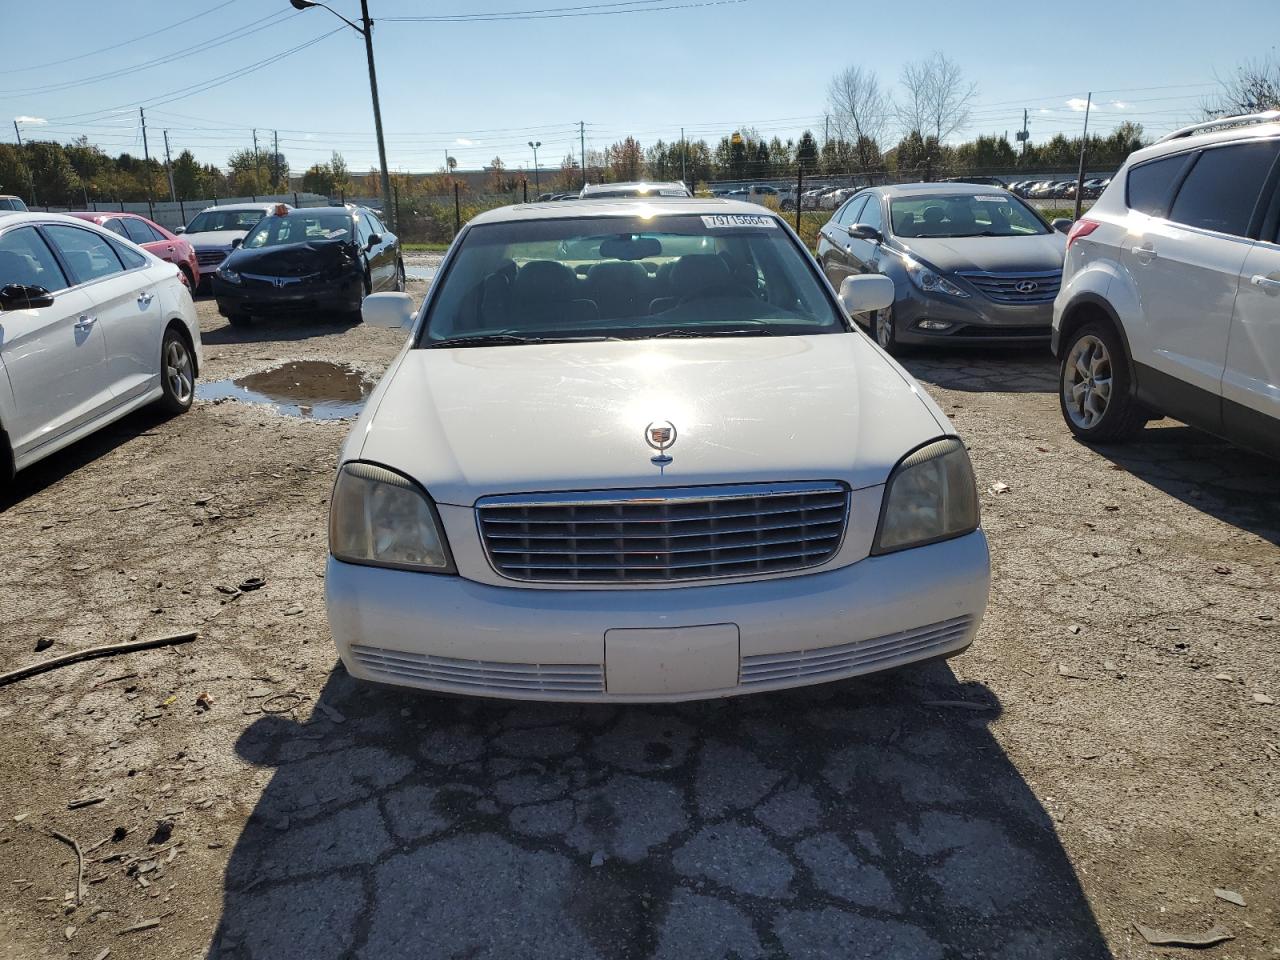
pixel 480 675
pixel 210 258
pixel 1003 287
pixel 663 535
pixel 849 659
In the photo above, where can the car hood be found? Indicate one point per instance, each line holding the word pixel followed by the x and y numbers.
pixel 1035 254
pixel 468 423
pixel 294 259
pixel 214 239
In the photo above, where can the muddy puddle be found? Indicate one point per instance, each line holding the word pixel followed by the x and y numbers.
pixel 417 271
pixel 314 389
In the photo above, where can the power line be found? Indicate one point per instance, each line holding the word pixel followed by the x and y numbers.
pixel 205 45
pixel 583 12
pixel 123 43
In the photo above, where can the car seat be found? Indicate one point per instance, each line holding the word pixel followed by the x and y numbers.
pixel 617 287
pixel 546 291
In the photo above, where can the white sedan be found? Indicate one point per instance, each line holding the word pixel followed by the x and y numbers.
pixel 91 328
pixel 638 451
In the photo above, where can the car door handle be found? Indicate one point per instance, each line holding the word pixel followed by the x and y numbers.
pixel 1270 284
pixel 86 323
pixel 1145 253
pixel 144 299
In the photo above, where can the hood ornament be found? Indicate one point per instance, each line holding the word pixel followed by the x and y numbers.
pixel 660 435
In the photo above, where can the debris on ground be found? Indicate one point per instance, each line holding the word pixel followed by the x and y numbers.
pixel 1263 699
pixel 1175 938
pixel 1229 895
pixel 74 845
pixel 92 653
pixel 252 583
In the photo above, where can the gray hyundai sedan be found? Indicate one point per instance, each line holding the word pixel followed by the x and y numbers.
pixel 970 263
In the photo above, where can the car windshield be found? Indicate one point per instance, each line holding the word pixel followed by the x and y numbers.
pixel 629 278
pixel 210 221
pixel 299 227
pixel 964 215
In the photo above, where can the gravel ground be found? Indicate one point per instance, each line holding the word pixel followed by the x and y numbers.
pixel 1116 761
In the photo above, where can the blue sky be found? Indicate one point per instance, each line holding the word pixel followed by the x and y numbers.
pixel 482 89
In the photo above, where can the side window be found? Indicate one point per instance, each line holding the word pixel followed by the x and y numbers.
pixel 89 255
pixel 362 230
pixel 1150 184
pixel 871 214
pixel 375 225
pixel 131 259
pixel 26 259
pixel 139 232
pixel 852 210
pixel 1223 187
pixel 116 225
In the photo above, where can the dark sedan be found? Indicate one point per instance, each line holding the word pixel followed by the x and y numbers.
pixel 970 264
pixel 307 260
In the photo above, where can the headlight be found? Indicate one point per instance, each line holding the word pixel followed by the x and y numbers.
pixel 382 519
pixel 931 495
pixel 930 282
pixel 229 275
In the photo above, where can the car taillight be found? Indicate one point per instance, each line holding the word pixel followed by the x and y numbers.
pixel 1081 228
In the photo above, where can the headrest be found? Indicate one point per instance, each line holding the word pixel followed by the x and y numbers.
pixel 934 214
pixel 698 271
pixel 622 272
pixel 544 280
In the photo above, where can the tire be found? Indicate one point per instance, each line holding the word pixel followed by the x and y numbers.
pixel 1095 391
pixel 401 280
pixel 240 320
pixel 191 281
pixel 885 331
pixel 177 373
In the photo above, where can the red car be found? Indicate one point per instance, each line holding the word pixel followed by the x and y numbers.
pixel 152 237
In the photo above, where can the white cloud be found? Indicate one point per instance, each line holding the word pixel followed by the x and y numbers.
pixel 463 142
pixel 1078 104
pixel 30 119
pixel 1118 105
pixel 1045 110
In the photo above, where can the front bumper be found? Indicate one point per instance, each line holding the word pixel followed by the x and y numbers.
pixel 975 320
pixel 343 293
pixel 450 634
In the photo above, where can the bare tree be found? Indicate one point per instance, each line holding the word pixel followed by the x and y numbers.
pixel 1254 87
pixel 937 97
pixel 860 110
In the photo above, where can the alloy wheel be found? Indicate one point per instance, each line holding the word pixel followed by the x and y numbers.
pixel 884 328
pixel 1086 382
pixel 178 370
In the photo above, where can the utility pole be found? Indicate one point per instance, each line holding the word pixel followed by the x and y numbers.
pixel 537 183
pixel 582 148
pixel 257 157
pixel 1023 135
pixel 30 178
pixel 275 159
pixel 168 168
pixel 684 155
pixel 1084 146
pixel 146 156
pixel 826 129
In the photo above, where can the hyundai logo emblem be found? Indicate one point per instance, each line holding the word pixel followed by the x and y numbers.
pixel 1026 286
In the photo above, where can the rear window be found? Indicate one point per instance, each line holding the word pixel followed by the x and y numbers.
pixel 1151 184
pixel 631 278
pixel 1223 188
pixel 211 221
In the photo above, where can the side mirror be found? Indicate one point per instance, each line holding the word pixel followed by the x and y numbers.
pixel 236 242
pixel 374 240
pixel 1062 224
pixel 388 310
pixel 861 231
pixel 178 230
pixel 866 293
pixel 21 296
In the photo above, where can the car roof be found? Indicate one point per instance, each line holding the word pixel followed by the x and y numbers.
pixel 620 207
pixel 234 207
pixel 9 218
pixel 932 189
pixel 1184 140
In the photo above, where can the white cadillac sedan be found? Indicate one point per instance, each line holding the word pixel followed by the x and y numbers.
pixel 638 451
pixel 91 328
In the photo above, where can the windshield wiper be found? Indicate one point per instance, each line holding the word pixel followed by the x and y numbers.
pixel 691 333
pixel 509 340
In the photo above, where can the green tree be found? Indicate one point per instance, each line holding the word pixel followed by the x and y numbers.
pixel 807 153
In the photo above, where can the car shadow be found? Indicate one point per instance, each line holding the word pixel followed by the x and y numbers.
pixel 1227 482
pixel 61 465
pixel 279 328
pixel 878 817
pixel 984 369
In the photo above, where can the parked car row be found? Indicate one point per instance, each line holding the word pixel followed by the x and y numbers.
pixel 1059 189
pixel 1163 300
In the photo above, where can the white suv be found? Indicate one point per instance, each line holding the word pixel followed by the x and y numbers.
pixel 1170 301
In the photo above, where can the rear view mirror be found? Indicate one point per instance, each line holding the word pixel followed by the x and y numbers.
pixel 178 230
pixel 236 242
pixel 1062 224
pixel 862 231
pixel 21 296
pixel 630 248
pixel 374 240
pixel 866 293
pixel 390 311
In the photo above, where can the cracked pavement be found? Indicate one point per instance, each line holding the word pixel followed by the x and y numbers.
pixel 1104 753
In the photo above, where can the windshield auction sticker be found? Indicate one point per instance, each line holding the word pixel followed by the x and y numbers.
pixel 727 220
